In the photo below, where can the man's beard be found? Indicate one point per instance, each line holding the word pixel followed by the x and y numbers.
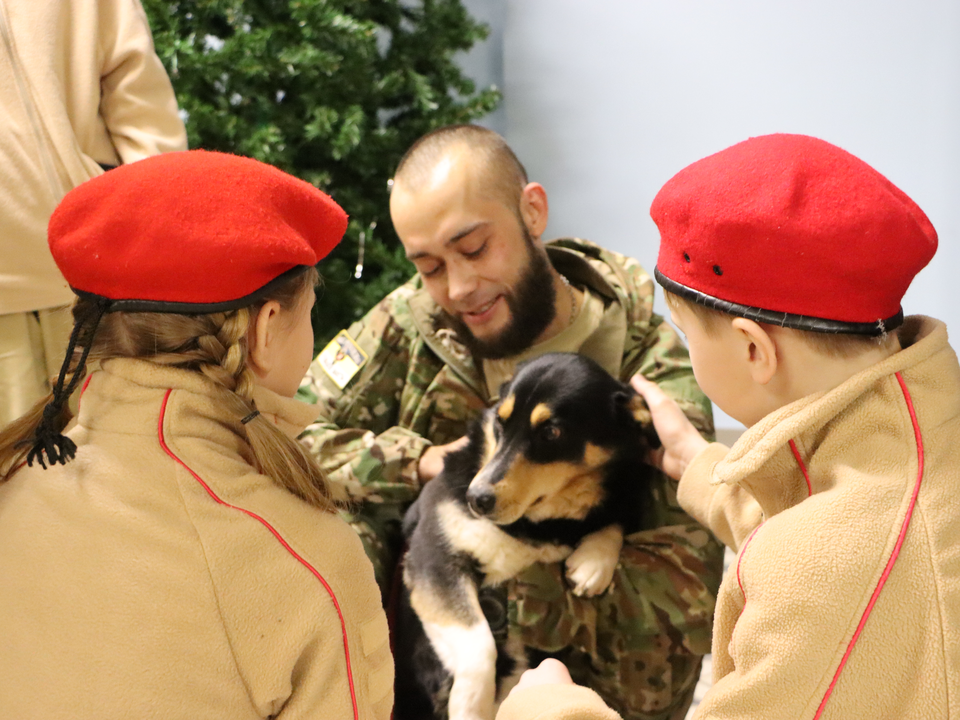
pixel 532 304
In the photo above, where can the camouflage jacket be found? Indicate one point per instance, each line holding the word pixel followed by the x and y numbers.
pixel 417 385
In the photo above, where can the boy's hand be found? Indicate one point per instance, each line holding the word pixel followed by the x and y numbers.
pixel 548 672
pixel 680 439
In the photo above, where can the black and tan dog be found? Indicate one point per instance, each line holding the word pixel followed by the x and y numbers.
pixel 554 471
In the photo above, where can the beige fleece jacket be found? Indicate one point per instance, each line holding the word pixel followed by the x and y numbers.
pixel 844 602
pixel 157 575
pixel 80 84
pixel 844 599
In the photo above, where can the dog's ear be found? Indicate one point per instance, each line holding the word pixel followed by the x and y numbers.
pixel 632 409
pixel 504 386
pixel 410 519
pixel 629 404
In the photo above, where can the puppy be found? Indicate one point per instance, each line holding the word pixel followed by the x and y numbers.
pixel 554 471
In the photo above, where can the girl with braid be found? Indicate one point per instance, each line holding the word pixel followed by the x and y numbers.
pixel 173 551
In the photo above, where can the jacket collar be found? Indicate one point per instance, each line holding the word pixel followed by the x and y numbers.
pixel 123 393
pixel 762 460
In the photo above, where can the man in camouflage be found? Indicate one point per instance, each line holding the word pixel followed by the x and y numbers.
pixel 398 388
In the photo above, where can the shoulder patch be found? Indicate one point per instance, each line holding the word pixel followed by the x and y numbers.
pixel 341 359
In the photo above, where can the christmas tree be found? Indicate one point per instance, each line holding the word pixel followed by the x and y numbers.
pixel 332 91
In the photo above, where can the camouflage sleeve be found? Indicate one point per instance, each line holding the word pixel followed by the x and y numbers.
pixel 357 438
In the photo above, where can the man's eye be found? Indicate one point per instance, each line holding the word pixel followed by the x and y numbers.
pixel 431 270
pixel 475 253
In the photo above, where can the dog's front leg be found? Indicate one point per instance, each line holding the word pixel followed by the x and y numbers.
pixel 590 567
pixel 464 643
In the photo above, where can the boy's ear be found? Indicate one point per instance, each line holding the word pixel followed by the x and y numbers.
pixel 759 350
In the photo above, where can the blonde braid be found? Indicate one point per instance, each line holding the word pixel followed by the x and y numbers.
pixel 275 455
pixel 226 351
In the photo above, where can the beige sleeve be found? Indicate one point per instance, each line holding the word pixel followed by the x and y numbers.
pixel 137 100
pixel 728 510
pixel 555 702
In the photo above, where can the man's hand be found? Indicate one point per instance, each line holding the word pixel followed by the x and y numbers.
pixel 431 462
pixel 680 439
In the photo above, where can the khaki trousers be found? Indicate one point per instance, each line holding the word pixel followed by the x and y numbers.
pixel 32 347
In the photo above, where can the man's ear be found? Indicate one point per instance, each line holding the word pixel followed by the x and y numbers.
pixel 261 338
pixel 759 349
pixel 534 208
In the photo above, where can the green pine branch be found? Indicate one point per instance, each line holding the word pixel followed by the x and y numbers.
pixel 332 91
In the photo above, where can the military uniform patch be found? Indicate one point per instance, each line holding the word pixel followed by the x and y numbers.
pixel 341 359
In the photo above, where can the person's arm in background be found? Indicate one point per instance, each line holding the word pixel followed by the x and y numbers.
pixel 138 105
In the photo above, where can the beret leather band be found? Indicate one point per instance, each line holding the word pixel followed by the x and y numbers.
pixel 184 308
pixel 781 319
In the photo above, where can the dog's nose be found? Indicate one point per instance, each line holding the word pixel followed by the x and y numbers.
pixel 481 503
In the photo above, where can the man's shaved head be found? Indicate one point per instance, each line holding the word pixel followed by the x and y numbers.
pixel 501 175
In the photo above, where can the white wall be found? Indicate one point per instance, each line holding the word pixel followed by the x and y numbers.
pixel 605 100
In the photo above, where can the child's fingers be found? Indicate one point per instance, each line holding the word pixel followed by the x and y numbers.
pixel 662 406
pixel 549 672
pixel 655 457
pixel 650 391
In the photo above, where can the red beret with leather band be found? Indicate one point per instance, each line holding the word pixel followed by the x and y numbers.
pixel 791 230
pixel 191 231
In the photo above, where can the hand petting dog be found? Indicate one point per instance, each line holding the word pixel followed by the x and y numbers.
pixel 680 439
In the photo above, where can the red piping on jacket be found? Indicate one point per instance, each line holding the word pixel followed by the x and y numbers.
pixel 803 468
pixel 273 531
pixel 743 551
pixel 896 549
pixel 83 389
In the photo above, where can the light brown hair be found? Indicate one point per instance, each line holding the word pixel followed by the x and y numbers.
pixel 214 345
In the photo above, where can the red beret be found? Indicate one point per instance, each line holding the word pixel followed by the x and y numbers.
pixel 190 231
pixel 791 230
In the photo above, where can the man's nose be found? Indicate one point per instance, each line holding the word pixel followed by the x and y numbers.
pixel 461 281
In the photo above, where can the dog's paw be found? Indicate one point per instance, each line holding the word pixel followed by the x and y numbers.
pixel 589 575
pixel 591 566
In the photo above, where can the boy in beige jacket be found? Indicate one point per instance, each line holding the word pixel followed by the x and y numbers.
pixel 785 260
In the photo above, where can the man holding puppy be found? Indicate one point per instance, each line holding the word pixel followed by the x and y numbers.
pixel 398 388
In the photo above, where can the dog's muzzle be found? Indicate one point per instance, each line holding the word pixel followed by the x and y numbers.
pixel 481 501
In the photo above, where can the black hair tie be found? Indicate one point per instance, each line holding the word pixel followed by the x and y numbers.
pixel 47 440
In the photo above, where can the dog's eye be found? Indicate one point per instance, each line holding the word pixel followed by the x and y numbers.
pixel 551 432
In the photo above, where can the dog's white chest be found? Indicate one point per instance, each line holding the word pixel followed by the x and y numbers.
pixel 500 556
